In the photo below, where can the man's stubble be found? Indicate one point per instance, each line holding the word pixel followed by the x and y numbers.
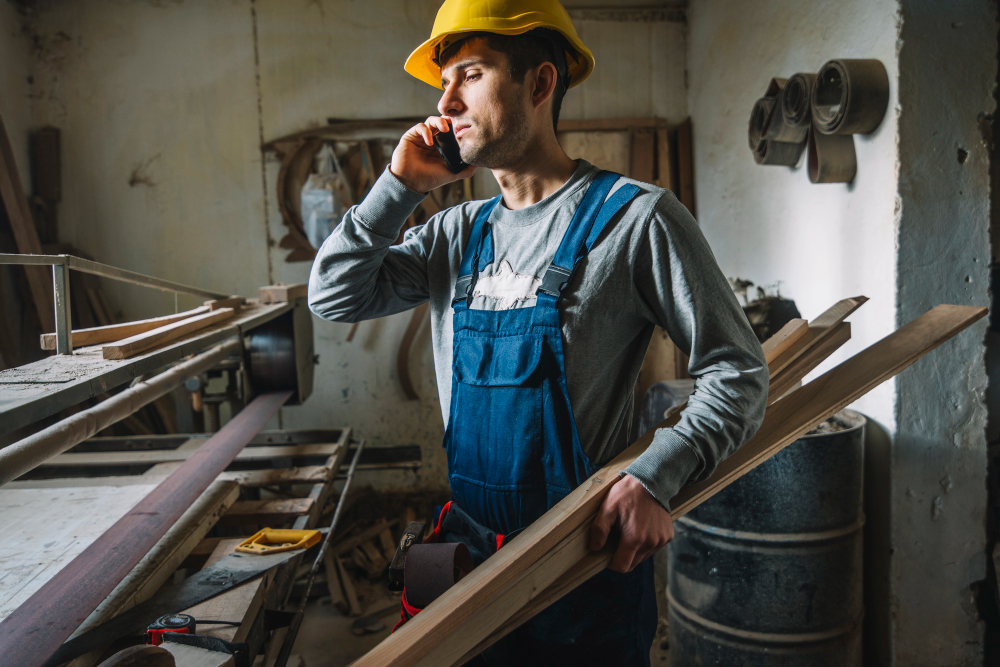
pixel 503 144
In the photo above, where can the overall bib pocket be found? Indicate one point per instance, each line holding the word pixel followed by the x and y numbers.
pixel 497 436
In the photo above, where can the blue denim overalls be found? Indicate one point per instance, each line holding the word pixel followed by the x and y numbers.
pixel 513 448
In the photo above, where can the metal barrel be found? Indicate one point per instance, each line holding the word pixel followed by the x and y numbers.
pixel 768 571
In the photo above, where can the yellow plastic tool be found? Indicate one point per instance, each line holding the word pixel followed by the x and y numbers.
pixel 273 540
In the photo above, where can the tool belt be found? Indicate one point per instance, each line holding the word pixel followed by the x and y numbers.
pixel 425 568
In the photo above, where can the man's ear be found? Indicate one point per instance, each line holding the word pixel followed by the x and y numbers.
pixel 546 78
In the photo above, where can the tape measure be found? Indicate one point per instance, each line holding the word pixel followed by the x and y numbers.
pixel 181 623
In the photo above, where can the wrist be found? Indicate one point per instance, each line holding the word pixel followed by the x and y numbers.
pixel 410 185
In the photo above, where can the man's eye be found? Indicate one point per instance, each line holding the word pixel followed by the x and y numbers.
pixel 472 77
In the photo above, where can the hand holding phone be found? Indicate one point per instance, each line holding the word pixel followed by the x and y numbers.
pixel 428 156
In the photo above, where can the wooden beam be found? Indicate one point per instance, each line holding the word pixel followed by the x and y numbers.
pixel 271 512
pixel 234 302
pixel 461 619
pixel 685 166
pixel 282 293
pixel 245 478
pixel 113 332
pixel 25 233
pixel 156 337
pixel 153 457
pixel 610 124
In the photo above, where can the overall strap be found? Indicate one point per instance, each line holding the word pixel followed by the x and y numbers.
pixel 474 249
pixel 593 215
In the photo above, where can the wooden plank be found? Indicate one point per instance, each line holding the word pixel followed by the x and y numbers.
pixel 173 455
pixel 146 341
pixel 609 124
pixel 785 421
pixel 785 337
pixel 786 354
pixel 282 293
pixel 158 566
pixel 809 360
pixel 666 171
pixel 113 332
pixel 642 155
pixel 25 233
pixel 192 656
pixel 685 166
pixel 245 478
pixel 234 302
pixel 340 547
pixel 350 593
pixel 469 612
pixel 272 512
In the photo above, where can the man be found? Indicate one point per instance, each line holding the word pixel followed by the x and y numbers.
pixel 543 302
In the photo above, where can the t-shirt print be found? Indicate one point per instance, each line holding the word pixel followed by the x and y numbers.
pixel 505 286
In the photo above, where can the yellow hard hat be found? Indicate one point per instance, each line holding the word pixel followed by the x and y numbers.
pixel 504 17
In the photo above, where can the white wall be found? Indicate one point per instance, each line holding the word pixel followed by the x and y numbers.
pixel 823 242
pixel 179 96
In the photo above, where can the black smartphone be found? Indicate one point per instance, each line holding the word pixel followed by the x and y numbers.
pixel 447 146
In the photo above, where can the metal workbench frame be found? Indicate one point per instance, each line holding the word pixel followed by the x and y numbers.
pixel 61 264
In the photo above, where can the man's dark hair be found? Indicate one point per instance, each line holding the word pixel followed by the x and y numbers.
pixel 524 52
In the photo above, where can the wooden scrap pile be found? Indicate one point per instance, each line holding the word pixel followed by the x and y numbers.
pixel 551 556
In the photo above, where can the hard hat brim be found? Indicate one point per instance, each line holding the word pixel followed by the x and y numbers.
pixel 421 64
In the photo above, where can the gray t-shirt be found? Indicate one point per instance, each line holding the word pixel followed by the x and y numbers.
pixel 650 266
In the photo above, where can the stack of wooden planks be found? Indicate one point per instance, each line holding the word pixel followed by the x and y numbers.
pixel 551 556
pixel 121 341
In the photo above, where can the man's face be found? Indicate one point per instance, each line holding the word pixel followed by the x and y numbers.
pixel 489 111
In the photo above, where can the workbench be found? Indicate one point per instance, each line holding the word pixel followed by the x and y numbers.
pixel 45 387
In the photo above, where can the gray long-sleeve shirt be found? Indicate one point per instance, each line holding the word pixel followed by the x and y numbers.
pixel 650 266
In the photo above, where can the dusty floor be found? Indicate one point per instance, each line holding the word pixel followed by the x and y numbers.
pixel 327 640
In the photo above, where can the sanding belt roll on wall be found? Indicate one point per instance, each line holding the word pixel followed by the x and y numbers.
pixel 849 96
pixel 771 140
pixel 832 158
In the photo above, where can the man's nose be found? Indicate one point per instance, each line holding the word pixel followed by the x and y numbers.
pixel 450 103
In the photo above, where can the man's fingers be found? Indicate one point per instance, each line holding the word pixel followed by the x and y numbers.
pixel 439 123
pixel 624 557
pixel 601 527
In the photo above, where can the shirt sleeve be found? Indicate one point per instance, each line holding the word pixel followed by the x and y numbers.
pixel 678 285
pixel 358 274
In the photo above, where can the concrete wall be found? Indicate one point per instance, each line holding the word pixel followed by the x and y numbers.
pixel 163 107
pixel 947 65
pixel 910 232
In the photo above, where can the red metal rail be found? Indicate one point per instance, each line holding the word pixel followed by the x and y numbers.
pixel 32 633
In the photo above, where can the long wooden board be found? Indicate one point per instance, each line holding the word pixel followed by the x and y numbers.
pixel 146 341
pixel 170 455
pixel 25 233
pixel 113 332
pixel 271 512
pixel 468 613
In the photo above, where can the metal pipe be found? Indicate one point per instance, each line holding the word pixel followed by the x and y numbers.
pixel 26 454
pixel 36 629
pixel 107 271
pixel 124 275
pixel 293 627
pixel 64 321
